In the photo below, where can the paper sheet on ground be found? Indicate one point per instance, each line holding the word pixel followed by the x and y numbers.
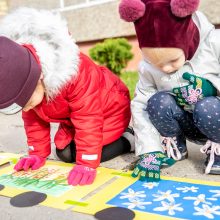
pixel 171 198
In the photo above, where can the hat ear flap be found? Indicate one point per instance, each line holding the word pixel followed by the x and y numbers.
pixel 131 10
pixel 183 8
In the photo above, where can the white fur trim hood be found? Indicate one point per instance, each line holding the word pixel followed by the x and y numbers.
pixel 48 33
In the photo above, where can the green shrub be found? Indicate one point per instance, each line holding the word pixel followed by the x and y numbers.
pixel 112 53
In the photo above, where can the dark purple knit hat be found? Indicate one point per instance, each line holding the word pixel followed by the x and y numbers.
pixel 163 23
pixel 19 74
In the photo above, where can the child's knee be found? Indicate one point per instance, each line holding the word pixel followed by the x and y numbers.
pixel 68 154
pixel 207 107
pixel 161 101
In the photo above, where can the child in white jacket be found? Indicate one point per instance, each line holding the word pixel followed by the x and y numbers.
pixel 176 95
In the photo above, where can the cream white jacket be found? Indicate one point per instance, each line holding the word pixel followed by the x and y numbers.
pixel 205 63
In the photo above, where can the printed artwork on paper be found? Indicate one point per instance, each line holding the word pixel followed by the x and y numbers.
pixel 50 180
pixel 171 198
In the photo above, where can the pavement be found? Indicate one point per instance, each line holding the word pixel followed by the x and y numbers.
pixel 13 140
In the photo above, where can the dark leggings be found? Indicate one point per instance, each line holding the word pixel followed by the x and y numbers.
pixel 109 151
pixel 171 120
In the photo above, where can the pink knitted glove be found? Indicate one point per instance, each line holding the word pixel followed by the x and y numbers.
pixel 81 175
pixel 32 161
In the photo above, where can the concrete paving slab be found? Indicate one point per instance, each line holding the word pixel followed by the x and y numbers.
pixel 12 139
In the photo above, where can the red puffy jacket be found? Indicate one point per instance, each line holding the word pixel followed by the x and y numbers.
pixel 93 109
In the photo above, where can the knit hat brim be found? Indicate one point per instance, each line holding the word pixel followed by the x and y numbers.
pixel 20 74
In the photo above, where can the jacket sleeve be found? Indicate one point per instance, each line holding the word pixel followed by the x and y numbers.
pixel 214 43
pixel 38 134
pixel 147 138
pixel 87 118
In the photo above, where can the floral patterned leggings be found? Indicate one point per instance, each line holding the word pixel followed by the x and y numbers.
pixel 172 120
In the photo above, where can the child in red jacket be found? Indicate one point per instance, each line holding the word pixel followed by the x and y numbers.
pixel 43 73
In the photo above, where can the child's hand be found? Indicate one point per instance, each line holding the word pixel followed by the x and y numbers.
pixel 33 161
pixel 81 175
pixel 196 90
pixel 149 166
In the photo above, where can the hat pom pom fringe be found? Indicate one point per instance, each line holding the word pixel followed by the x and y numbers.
pixel 131 10
pixel 183 8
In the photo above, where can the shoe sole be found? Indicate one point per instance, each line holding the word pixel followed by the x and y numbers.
pixel 184 156
pixel 215 171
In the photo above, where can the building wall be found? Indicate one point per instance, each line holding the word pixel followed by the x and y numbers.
pixel 211 8
pixel 41 4
pixel 97 22
pixel 98 19
pixel 3 7
pixel 90 21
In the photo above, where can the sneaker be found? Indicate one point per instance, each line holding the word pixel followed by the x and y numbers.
pixel 129 135
pixel 175 147
pixel 212 163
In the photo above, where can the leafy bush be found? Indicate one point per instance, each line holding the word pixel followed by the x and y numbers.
pixel 113 53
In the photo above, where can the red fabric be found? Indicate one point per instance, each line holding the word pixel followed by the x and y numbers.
pixel 160 28
pixel 93 110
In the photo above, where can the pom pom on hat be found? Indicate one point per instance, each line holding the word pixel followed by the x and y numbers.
pixel 131 10
pixel 183 8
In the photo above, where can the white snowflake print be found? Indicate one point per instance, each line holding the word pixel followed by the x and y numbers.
pixel 186 189
pixel 131 194
pixel 139 203
pixel 165 195
pixel 150 185
pixel 217 193
pixel 199 199
pixel 207 211
pixel 170 207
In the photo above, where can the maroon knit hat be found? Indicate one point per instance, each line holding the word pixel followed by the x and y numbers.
pixel 19 74
pixel 163 23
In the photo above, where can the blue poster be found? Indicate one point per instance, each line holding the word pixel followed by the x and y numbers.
pixel 171 198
